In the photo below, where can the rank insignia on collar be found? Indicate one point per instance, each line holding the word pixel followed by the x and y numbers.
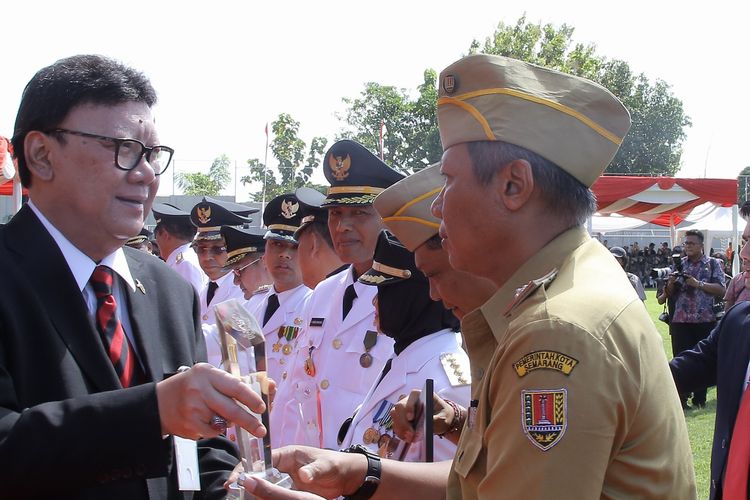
pixel 525 291
pixel 544 416
pixel 317 321
pixel 549 360
pixel 179 258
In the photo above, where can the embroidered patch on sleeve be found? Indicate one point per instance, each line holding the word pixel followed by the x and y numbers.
pixel 544 416
pixel 549 360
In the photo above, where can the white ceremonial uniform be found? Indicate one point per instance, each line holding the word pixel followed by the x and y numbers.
pixel 184 261
pixel 340 383
pixel 439 357
pixel 225 291
pixel 281 333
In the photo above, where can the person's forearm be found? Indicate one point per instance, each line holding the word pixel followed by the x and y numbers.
pixel 409 480
pixel 714 289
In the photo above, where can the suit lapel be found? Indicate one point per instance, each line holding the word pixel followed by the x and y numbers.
pixel 49 273
pixel 143 317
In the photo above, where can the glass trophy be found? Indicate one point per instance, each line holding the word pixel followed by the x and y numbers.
pixel 241 337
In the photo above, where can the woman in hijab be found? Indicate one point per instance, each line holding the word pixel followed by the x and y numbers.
pixel 426 346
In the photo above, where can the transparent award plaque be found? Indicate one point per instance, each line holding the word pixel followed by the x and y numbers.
pixel 239 333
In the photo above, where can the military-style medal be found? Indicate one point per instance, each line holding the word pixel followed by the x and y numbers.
pixel 383 444
pixel 289 333
pixel 371 338
pixel 309 364
pixel 336 343
pixel 371 436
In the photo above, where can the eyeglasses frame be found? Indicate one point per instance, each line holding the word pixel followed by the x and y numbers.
pixel 117 141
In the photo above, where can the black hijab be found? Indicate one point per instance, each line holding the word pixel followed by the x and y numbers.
pixel 405 310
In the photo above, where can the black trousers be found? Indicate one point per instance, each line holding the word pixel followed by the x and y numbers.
pixel 684 337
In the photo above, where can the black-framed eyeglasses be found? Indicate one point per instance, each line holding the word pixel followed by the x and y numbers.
pixel 238 272
pixel 128 152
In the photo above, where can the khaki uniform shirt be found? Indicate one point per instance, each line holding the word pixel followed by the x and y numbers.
pixel 577 401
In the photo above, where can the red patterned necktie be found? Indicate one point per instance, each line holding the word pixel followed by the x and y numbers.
pixel 109 327
pixel 738 463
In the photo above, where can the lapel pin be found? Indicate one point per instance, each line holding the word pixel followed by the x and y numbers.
pixel 139 286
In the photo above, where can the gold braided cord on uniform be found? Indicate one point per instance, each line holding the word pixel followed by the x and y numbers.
pixel 374 279
pixel 417 200
pixel 355 190
pixel 417 220
pixel 282 227
pixel 203 229
pixel 546 102
pixel 207 237
pixel 242 250
pixel 351 200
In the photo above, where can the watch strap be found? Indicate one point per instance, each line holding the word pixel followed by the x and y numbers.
pixel 372 476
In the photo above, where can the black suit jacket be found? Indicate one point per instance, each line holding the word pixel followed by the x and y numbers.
pixel 67 429
pixel 721 360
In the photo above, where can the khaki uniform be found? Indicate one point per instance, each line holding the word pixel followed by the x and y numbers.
pixel 577 400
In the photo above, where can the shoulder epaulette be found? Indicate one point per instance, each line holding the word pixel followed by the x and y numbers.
pixel 262 289
pixel 527 290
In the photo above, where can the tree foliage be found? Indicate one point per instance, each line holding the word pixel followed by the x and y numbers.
pixel 411 140
pixel 654 143
pixel 210 184
pixel 296 162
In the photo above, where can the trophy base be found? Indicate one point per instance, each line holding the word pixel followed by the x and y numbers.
pixel 271 475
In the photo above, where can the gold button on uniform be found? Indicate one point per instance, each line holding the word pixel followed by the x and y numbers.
pixel 205 317
pixel 324 384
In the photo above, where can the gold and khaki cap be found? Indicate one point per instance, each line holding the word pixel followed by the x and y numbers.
pixel 405 207
pixel 572 122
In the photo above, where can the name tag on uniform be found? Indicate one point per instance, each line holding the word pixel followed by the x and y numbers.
pixel 317 321
pixel 186 454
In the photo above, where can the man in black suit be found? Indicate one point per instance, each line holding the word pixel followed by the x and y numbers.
pixel 723 360
pixel 90 332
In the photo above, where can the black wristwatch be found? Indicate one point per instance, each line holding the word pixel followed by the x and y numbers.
pixel 372 477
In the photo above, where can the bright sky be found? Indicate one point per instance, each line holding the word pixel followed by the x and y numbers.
pixel 223 69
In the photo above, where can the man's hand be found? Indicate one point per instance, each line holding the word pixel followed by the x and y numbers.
pixel 691 281
pixel 188 400
pixel 326 473
pixel 404 412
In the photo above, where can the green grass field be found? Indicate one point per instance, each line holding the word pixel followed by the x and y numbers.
pixel 700 423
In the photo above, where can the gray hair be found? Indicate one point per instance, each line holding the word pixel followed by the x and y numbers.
pixel 564 196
